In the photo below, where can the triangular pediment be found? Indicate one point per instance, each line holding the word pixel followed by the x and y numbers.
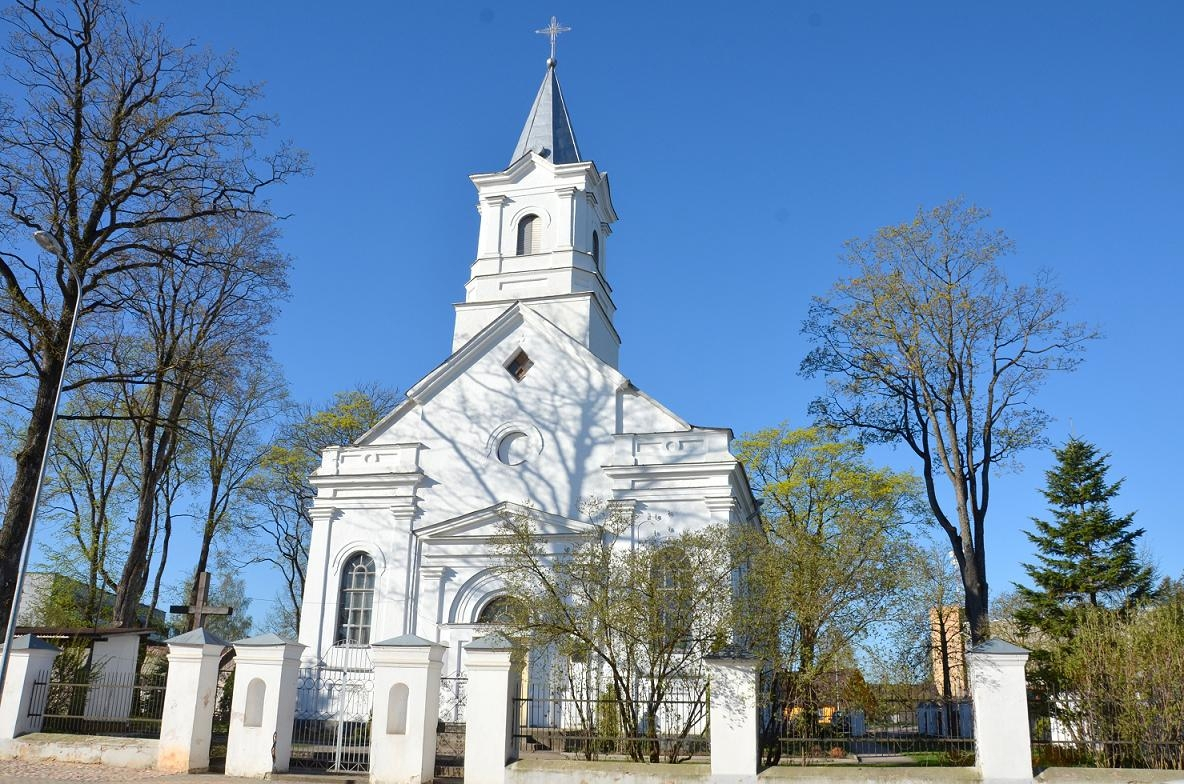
pixel 516 317
pixel 486 524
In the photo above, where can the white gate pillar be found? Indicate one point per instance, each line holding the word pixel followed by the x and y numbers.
pixel 735 724
pixel 1002 741
pixel 189 697
pixel 494 665
pixel 29 658
pixel 263 707
pixel 406 709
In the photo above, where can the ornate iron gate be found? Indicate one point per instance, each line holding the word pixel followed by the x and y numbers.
pixel 334 704
pixel 450 735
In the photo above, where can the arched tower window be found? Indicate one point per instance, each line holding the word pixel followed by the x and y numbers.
pixel 356 602
pixel 529 229
pixel 596 249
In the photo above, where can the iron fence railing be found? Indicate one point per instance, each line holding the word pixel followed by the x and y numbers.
pixel 453 696
pixel 1108 730
pixel 671 727
pixel 878 731
pixel 98 703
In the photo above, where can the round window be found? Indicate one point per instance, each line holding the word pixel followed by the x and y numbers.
pixel 514 448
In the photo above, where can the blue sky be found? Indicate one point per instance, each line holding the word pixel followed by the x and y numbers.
pixel 745 143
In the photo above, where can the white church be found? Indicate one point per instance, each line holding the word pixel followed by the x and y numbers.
pixel 529 412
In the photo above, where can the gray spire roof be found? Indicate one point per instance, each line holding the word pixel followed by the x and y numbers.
pixel 548 128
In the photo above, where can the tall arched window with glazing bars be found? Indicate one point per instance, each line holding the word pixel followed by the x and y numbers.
pixel 356 602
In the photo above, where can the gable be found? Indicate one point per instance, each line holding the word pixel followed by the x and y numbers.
pixel 561 374
pixel 484 525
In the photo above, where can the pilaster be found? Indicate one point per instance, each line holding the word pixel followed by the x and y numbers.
pixel 490 234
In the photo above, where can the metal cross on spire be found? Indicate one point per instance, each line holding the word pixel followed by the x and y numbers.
pixel 553 30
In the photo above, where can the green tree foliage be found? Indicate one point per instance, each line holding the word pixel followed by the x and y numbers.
pixel 929 345
pixel 833 557
pixel 1086 555
pixel 1121 696
pixel 635 617
pixel 280 493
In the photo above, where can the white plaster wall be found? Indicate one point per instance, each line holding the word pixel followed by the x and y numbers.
pixel 572 406
pixel 566 398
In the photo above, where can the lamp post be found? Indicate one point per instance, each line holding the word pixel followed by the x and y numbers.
pixel 49 243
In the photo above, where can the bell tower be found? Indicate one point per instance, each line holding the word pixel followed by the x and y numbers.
pixel 545 224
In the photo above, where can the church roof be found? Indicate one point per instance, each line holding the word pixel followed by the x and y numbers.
pixel 548 129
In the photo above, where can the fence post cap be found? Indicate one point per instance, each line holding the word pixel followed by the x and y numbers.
pixel 405 641
pixel 999 647
pixel 199 636
pixel 31 642
pixel 491 642
pixel 264 639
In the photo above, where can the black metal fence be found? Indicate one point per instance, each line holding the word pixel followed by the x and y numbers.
pixel 896 732
pixel 98 703
pixel 220 724
pixel 837 717
pixel 667 727
pixel 1144 730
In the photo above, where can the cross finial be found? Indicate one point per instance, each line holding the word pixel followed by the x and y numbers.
pixel 553 30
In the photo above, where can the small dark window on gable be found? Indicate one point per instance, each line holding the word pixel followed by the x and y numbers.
pixel 528 235
pixel 518 365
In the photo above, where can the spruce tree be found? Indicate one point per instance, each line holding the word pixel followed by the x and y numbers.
pixel 1087 555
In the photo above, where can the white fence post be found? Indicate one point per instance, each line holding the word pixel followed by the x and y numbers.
pixel 494 666
pixel 30 657
pixel 263 707
pixel 1002 740
pixel 189 701
pixel 406 709
pixel 735 725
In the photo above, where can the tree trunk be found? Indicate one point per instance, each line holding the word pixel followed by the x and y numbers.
pixel 28 461
pixel 976 602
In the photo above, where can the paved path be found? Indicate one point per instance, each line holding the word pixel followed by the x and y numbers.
pixel 20 771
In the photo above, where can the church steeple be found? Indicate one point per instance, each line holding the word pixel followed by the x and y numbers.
pixel 548 127
pixel 545 223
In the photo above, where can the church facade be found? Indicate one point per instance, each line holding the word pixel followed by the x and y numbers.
pixel 528 415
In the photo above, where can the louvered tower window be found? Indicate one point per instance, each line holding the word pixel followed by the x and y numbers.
pixel 596 249
pixel 356 602
pixel 528 235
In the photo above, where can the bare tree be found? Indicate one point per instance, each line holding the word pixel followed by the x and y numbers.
pixel 90 493
pixel 928 344
pixel 280 492
pixel 200 320
pixel 117 134
pixel 226 437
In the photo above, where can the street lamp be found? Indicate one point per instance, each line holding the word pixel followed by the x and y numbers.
pixel 50 244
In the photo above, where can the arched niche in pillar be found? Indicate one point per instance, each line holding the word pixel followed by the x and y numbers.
pixel 396 711
pixel 253 711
